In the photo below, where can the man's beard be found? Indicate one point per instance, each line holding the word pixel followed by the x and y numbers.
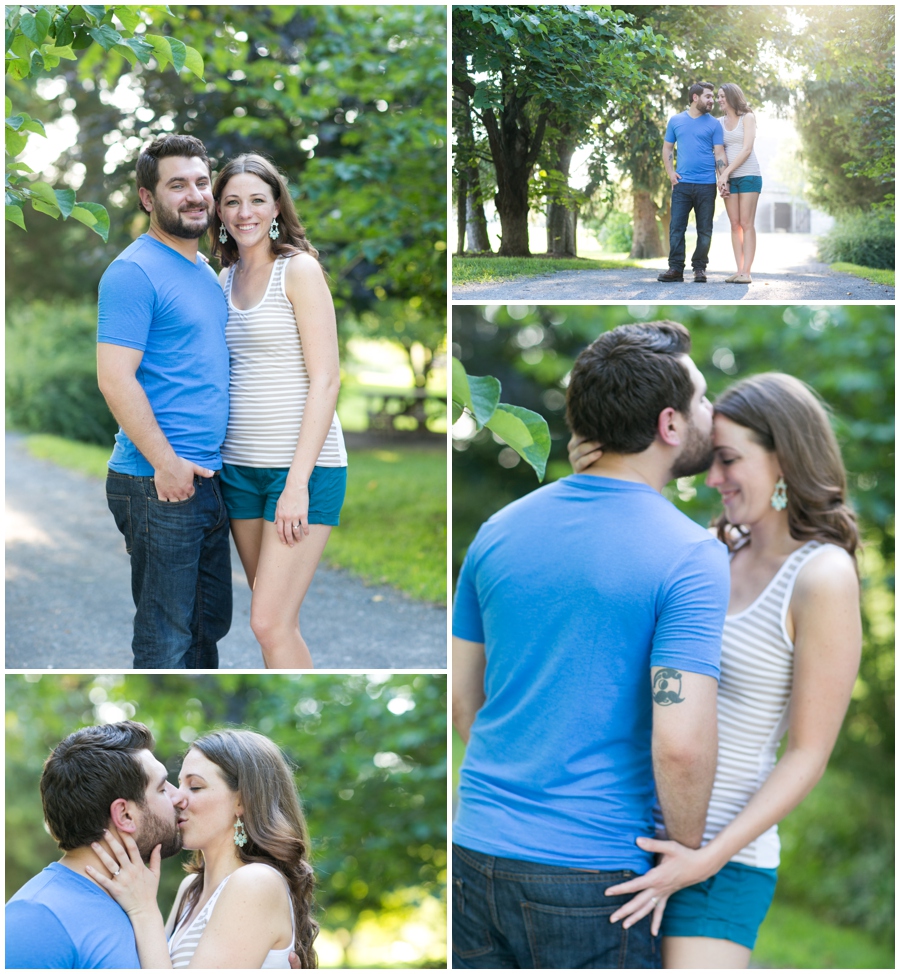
pixel 171 222
pixel 697 455
pixel 156 831
pixel 703 108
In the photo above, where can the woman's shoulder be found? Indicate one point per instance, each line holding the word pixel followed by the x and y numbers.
pixel 829 575
pixel 260 878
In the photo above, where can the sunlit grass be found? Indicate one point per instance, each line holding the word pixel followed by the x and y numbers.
pixel 791 937
pixel 393 524
pixel 873 274
pixel 491 270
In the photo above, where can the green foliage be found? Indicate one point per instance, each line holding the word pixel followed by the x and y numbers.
pixel 369 753
pixel 866 239
pixel 51 372
pixel 882 276
pixel 394 521
pixel 37 39
pixel 617 233
pixel 522 429
pixel 490 270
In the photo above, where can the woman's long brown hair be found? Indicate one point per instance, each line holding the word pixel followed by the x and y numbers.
pixel 252 766
pixel 787 418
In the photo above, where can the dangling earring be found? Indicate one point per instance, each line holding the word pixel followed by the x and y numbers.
pixel 274 232
pixel 779 498
pixel 240 836
pixel 223 235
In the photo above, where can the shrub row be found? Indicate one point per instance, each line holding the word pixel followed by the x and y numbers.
pixel 866 239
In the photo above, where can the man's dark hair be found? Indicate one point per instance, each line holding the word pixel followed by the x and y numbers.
pixel 146 169
pixel 622 382
pixel 86 773
pixel 698 88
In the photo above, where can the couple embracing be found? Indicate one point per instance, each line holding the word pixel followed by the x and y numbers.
pixel 225 394
pixel 623 678
pixel 247 899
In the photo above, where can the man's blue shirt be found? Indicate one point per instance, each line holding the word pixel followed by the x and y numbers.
pixel 174 311
pixel 60 919
pixel 576 590
pixel 695 138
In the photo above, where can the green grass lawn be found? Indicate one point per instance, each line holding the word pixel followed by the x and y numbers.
pixel 491 270
pixel 869 273
pixel 393 524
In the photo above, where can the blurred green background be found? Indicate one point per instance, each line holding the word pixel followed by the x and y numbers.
pixel 370 759
pixel 834 906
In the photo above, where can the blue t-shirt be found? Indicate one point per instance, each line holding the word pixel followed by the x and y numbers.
pixel 695 138
pixel 174 311
pixel 60 919
pixel 576 590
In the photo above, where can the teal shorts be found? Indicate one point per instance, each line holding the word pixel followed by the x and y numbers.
pixel 728 906
pixel 745 184
pixel 252 492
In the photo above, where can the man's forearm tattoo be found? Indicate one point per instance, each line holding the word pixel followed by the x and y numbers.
pixel 720 164
pixel 667 687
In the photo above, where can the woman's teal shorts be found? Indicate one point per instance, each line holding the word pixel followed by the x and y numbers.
pixel 728 906
pixel 252 492
pixel 745 184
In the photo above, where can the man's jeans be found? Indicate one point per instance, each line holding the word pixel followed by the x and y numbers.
pixel 701 198
pixel 511 913
pixel 180 571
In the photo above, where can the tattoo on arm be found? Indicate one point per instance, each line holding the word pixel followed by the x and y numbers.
pixel 667 687
pixel 720 164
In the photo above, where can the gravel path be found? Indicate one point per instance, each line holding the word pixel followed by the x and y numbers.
pixel 68 594
pixel 785 271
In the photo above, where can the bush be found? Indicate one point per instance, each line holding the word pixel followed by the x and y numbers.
pixel 616 234
pixel 51 372
pixel 865 239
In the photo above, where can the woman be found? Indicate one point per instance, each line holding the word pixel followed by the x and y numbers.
pixel 740 182
pixel 284 460
pixel 790 654
pixel 248 900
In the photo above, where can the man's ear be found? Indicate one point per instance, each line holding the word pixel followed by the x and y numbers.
pixel 668 426
pixel 121 814
pixel 146 198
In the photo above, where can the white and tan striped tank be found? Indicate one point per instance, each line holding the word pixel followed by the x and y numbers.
pixel 734 143
pixel 183 943
pixel 754 704
pixel 269 382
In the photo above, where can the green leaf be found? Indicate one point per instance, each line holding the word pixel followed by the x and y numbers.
pixel 100 226
pixel 63 51
pixel 65 200
pixel 178 53
pixel 479 394
pixel 94 12
pixel 193 62
pixel 8 102
pixel 526 432
pixel 107 37
pixel 43 191
pixel 15 122
pixel 64 33
pixel 142 50
pixel 162 50
pixel 15 142
pixel 15 215
pixel 34 125
pixel 129 17
pixel 18 167
pixel 457 410
pixel 42 206
pixel 35 26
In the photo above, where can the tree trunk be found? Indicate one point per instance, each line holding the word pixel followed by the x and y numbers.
pixel 561 219
pixel 476 225
pixel 645 242
pixel 462 196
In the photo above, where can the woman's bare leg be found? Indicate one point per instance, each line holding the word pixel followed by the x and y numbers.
pixel 732 208
pixel 748 203
pixel 704 953
pixel 247 534
pixel 283 577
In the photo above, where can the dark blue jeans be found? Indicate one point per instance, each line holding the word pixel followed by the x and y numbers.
pixel 180 571
pixel 701 198
pixel 511 913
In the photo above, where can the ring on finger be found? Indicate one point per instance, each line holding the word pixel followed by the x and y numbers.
pixel 118 870
pixel 654 900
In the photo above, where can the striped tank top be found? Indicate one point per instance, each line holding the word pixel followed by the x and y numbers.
pixel 182 947
pixel 754 705
pixel 734 142
pixel 269 382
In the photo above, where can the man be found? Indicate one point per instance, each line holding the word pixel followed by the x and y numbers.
pixel 97 778
pixel 701 155
pixel 586 640
pixel 162 365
